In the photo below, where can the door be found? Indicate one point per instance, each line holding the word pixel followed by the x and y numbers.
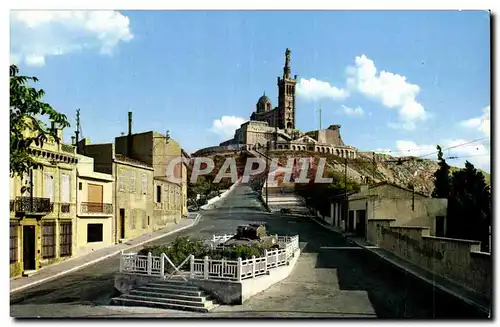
pixel 440 226
pixel 122 223
pixel 29 262
pixel 350 222
pixel 94 197
pixel 361 223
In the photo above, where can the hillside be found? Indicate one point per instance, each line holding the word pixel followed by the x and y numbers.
pixel 386 168
pixel 360 170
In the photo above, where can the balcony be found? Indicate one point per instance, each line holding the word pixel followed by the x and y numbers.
pixel 33 205
pixel 90 208
pixel 65 208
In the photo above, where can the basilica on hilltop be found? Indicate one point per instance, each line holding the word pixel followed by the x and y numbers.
pixel 275 127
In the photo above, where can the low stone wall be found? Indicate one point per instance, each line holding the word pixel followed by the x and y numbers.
pixel 252 286
pixel 126 282
pixel 458 260
pixel 225 292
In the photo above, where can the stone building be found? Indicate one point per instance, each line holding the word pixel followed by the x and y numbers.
pixel 276 127
pixel 42 220
pixel 164 155
pixel 133 191
pixel 95 207
pixel 384 200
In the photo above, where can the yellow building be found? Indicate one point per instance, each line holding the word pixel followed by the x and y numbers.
pixel 170 178
pixel 95 211
pixel 132 191
pixel 42 221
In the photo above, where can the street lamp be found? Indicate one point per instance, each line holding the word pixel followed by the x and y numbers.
pixel 267 175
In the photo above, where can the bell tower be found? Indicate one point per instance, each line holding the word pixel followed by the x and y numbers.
pixel 286 96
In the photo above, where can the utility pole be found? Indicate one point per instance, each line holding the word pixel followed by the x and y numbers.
pixel 319 110
pixel 267 175
pixel 346 211
pixel 373 167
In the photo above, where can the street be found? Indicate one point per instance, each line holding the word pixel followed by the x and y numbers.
pixel 332 278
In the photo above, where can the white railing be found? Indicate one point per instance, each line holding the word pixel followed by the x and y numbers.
pixel 209 269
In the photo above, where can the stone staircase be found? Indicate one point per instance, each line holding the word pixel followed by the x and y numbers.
pixel 168 294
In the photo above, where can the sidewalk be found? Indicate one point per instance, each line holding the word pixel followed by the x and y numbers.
pixel 439 282
pixel 65 267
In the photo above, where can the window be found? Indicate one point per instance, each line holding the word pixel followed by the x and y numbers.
pixel 65 188
pixel 65 236
pixel 48 186
pixel 158 193
pixel 132 182
pixel 132 218
pixel 144 184
pixel 145 222
pixel 13 242
pixel 121 181
pixel 80 186
pixel 94 233
pixel 48 240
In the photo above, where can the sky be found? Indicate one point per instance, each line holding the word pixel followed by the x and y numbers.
pixel 398 82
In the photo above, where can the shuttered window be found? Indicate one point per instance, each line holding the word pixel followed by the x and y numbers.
pixel 144 184
pixel 13 242
pixel 144 220
pixel 48 186
pixel 48 240
pixel 65 236
pixel 65 188
pixel 121 180
pixel 132 182
pixel 132 218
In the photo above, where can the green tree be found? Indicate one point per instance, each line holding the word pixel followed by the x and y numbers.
pixel 26 106
pixel 441 177
pixel 469 206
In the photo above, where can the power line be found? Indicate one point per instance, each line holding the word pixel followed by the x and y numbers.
pixel 454 146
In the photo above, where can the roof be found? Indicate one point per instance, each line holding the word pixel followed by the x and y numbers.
pixel 264 99
pixel 122 158
pixel 397 186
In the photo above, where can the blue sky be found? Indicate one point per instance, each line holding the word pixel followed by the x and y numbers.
pixel 395 81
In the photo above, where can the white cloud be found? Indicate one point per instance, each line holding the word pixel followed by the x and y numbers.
pixel 392 90
pixel 477 153
pixel 227 125
pixel 36 35
pixel 481 123
pixel 358 111
pixel 313 89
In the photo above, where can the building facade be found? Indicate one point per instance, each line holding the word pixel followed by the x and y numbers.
pixel 95 209
pixel 390 201
pixel 132 192
pixel 164 155
pixel 275 128
pixel 42 219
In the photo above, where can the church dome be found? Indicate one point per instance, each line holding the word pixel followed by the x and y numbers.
pixel 264 99
pixel 264 103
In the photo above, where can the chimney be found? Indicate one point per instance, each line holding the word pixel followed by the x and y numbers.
pixel 130 123
pixel 129 136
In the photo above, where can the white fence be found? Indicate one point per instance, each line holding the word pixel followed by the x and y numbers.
pixel 206 268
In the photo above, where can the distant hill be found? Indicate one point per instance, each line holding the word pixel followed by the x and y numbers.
pixel 360 170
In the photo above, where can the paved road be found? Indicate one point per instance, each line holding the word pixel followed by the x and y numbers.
pixel 332 278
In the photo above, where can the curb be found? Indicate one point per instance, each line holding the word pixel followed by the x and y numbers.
pixel 196 220
pixel 431 282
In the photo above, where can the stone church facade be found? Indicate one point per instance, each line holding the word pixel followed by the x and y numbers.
pixel 275 127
